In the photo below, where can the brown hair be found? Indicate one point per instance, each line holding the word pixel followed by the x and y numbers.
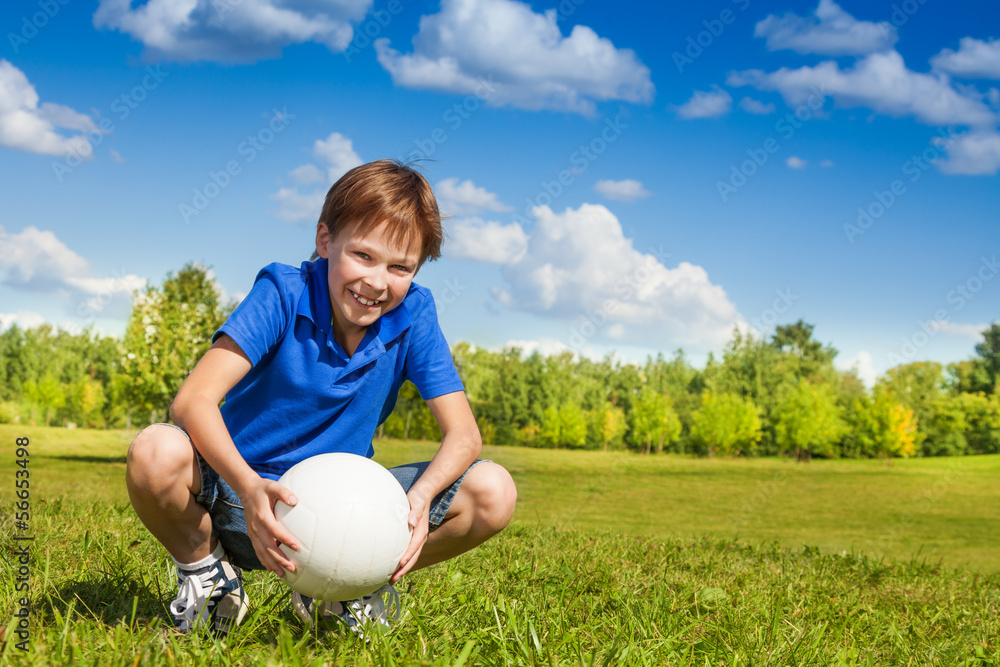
pixel 385 191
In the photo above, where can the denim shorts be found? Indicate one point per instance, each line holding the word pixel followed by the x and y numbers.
pixel 229 524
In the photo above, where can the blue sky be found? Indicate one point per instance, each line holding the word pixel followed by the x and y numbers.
pixel 621 177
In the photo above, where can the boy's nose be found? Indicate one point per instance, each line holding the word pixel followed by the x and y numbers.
pixel 377 280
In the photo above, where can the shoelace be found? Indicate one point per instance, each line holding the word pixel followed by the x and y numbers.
pixel 192 602
pixel 373 607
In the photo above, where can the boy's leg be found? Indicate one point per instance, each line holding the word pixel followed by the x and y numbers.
pixel 163 478
pixel 482 507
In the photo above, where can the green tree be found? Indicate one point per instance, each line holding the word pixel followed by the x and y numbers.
pixel 607 426
pixel 982 418
pixel 811 359
pixel 654 420
pixel 169 330
pixel 726 424
pixel 809 421
pixel 989 358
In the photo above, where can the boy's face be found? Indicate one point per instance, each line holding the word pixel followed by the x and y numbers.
pixel 368 275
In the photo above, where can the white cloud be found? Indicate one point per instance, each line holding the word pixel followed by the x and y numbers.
pixel 466 198
pixel 826 163
pixel 580 267
pixel 509 55
pixel 308 174
pixel 880 82
pixel 547 347
pixel 973 153
pixel 295 206
pixel 750 105
pixel 492 242
pixel 336 156
pixel 862 364
pixel 829 31
pixel 26 126
pixel 116 156
pixel 232 30
pixel 23 319
pixel 627 190
pixel 973 332
pixel 795 162
pixel 337 153
pixel 716 102
pixel 36 261
pixel 975 59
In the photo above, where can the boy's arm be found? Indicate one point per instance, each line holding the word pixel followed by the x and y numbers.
pixel 461 444
pixel 196 410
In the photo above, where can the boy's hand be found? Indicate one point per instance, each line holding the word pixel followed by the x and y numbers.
pixel 419 520
pixel 265 531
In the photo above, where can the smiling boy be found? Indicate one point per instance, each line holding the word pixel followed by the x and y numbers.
pixel 311 362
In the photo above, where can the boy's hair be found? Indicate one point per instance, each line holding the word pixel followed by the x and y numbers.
pixel 386 191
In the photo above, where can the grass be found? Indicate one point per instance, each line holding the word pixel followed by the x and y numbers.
pixel 613 559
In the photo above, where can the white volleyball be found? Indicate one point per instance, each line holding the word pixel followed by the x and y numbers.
pixel 350 523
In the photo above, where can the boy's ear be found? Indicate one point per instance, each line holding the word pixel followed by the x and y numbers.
pixel 322 240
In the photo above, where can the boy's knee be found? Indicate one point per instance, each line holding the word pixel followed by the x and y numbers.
pixel 495 494
pixel 157 453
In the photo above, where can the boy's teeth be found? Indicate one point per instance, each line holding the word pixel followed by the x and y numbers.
pixel 363 300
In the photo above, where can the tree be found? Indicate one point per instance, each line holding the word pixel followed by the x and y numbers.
pixel 565 425
pixel 880 426
pixel 607 426
pixel 917 386
pixel 808 421
pixel 982 418
pixel 989 358
pixel 811 358
pixel 726 423
pixel 169 330
pixel 654 420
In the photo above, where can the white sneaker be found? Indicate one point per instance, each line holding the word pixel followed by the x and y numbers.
pixel 362 616
pixel 214 594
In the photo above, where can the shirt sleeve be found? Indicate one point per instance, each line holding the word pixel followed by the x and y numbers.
pixel 260 320
pixel 429 364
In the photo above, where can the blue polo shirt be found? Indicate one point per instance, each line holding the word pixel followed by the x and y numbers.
pixel 304 396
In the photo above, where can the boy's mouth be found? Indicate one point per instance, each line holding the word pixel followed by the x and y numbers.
pixel 363 301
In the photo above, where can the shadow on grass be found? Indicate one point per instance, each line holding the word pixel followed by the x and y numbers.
pixel 108 600
pixel 85 459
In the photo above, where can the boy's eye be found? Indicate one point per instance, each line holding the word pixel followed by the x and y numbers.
pixel 362 255
pixel 400 267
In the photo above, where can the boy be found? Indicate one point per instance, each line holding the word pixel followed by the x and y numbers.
pixel 311 362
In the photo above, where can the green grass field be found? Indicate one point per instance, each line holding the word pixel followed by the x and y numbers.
pixel 612 558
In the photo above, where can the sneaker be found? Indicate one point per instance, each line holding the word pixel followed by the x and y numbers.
pixel 361 616
pixel 213 593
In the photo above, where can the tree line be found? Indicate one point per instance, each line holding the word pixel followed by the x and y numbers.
pixel 771 396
